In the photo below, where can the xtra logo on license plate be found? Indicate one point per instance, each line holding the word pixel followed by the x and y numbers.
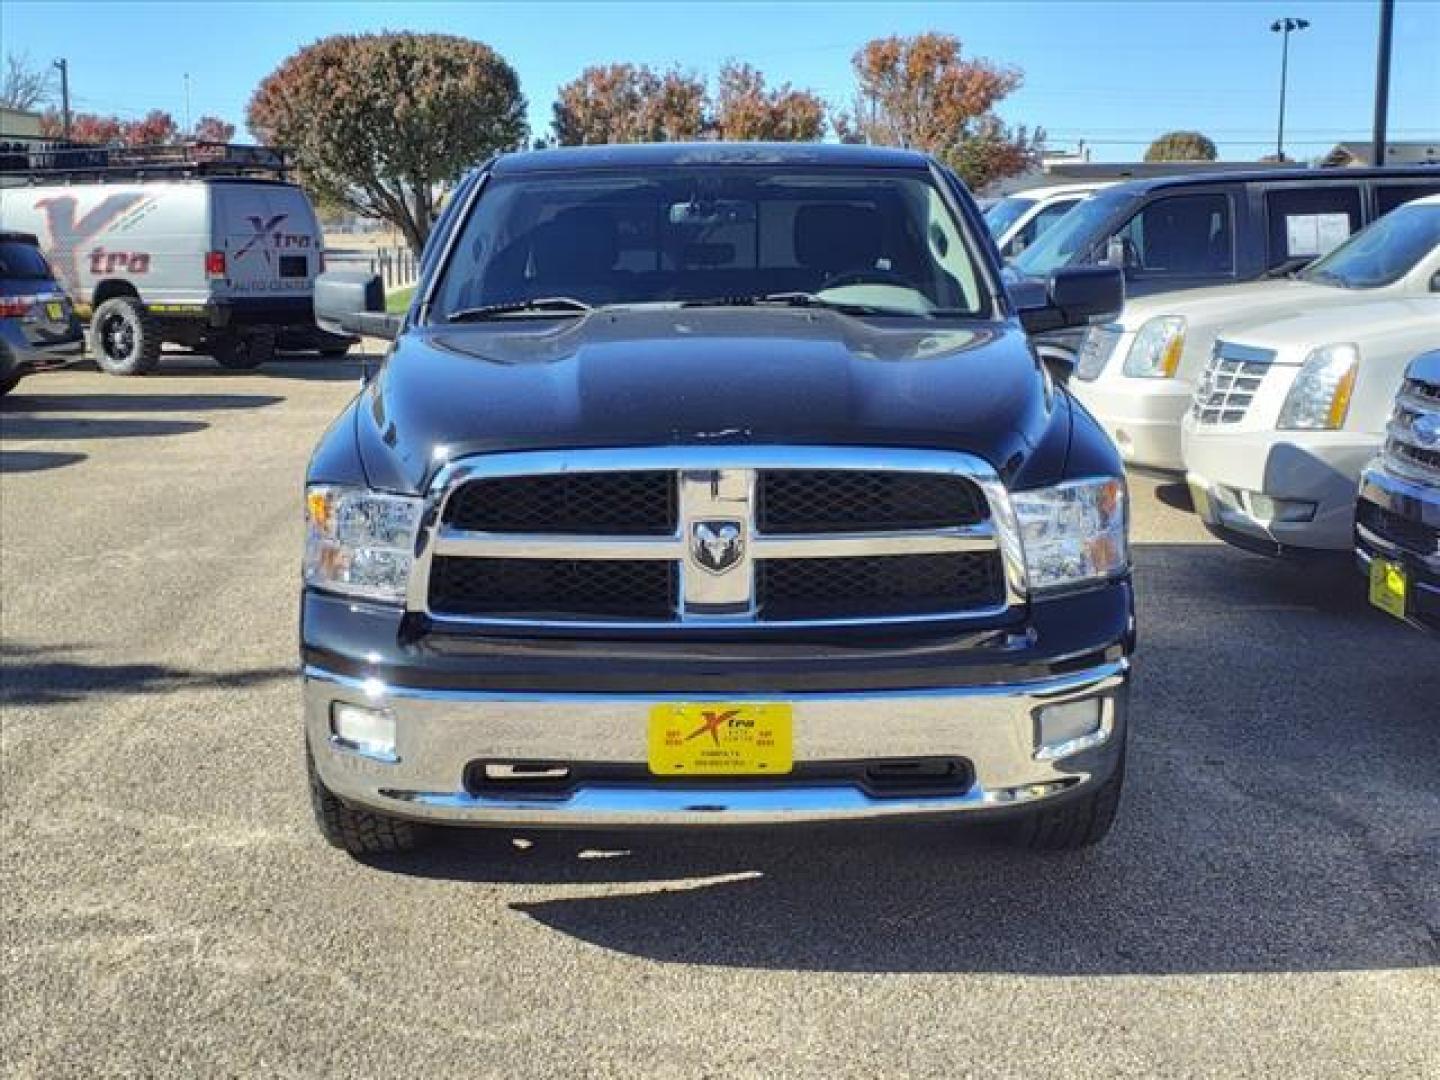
pixel 1388 587
pixel 720 739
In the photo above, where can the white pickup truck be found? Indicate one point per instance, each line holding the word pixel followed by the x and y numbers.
pixel 1137 375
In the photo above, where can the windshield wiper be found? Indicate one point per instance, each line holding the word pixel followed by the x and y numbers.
pixel 798 299
pixel 561 304
pixel 1288 268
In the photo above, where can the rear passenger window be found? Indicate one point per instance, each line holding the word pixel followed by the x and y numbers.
pixel 1043 219
pixel 1307 223
pixel 1181 235
pixel 1389 196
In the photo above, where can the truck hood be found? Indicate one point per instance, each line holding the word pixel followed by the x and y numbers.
pixel 1370 325
pixel 651 377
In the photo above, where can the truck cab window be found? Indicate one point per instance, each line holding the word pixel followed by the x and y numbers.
pixel 1309 222
pixel 1180 235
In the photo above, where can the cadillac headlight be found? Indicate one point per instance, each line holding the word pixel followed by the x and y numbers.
pixel 1319 398
pixel 1155 352
pixel 1073 533
pixel 360 542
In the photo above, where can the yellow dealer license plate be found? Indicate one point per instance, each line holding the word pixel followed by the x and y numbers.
pixel 54 312
pixel 720 739
pixel 1388 587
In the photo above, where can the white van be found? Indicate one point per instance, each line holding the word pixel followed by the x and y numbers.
pixel 200 245
pixel 1018 220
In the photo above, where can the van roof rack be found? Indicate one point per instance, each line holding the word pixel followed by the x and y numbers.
pixel 71 162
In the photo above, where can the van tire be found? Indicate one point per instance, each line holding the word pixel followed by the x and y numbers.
pixel 1073 825
pixel 243 350
pixel 360 832
pixel 124 338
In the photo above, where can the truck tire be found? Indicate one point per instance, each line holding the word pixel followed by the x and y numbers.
pixel 244 350
pixel 1073 825
pixel 9 382
pixel 124 338
pixel 360 832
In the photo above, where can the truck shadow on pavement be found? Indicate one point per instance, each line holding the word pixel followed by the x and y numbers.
pixel 1280 816
pixel 46 675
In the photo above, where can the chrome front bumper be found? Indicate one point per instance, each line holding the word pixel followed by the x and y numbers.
pixel 440 733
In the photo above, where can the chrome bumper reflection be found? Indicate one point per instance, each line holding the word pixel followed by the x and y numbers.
pixel 439 733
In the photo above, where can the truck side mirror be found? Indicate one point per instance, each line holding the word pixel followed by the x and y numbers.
pixel 353 302
pixel 1074 296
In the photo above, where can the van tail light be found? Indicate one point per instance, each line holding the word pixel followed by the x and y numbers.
pixel 215 264
pixel 16 307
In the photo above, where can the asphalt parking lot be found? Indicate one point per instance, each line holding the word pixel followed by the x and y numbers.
pixel 1268 905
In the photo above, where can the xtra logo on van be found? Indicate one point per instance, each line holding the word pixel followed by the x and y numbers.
pixel 265 234
pixel 67 235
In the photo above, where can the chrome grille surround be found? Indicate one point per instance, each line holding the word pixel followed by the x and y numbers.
pixel 1230 382
pixel 1408 453
pixel 717 484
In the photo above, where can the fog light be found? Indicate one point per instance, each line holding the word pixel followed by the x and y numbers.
pixel 370 732
pixel 1068 728
pixel 1264 508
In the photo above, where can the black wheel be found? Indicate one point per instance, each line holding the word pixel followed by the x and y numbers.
pixel 360 832
pixel 9 382
pixel 124 338
pixel 245 349
pixel 1076 824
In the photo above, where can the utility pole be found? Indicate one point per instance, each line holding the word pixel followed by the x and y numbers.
pixel 64 68
pixel 187 105
pixel 1284 27
pixel 1382 81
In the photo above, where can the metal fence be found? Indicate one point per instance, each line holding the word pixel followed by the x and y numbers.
pixel 397 267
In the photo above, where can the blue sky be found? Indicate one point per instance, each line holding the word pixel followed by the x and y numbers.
pixel 1114 73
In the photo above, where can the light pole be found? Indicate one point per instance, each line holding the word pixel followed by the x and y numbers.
pixel 1284 27
pixel 63 66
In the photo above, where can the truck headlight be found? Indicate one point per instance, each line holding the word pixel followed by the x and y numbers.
pixel 1073 533
pixel 359 542
pixel 1155 352
pixel 1319 398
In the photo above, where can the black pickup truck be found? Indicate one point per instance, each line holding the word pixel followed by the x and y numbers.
pixel 714 484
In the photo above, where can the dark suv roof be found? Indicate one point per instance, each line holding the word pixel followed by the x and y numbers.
pixel 11 237
pixel 1141 185
pixel 641 155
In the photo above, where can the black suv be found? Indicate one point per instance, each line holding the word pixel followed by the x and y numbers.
pixel 38 327
pixel 714 484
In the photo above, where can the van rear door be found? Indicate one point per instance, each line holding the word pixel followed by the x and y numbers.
pixel 270 240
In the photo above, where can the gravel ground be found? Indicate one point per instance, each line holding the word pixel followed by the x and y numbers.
pixel 1269 904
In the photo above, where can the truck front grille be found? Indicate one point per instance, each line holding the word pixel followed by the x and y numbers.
pixel 894 585
pixel 717 536
pixel 600 503
pixel 1408 533
pixel 841 500
pixel 1408 453
pixel 551 588
pixel 1229 384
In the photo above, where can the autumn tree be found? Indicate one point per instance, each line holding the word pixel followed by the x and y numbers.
pixel 1181 146
pixel 153 129
pixel 746 109
pixel 157 127
pixel 629 103
pixel 213 129
pixel 379 123
pixel 922 92
pixel 24 85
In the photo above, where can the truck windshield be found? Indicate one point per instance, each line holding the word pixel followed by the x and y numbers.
pixel 1005 213
pixel 878 241
pixel 1072 237
pixel 1382 254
